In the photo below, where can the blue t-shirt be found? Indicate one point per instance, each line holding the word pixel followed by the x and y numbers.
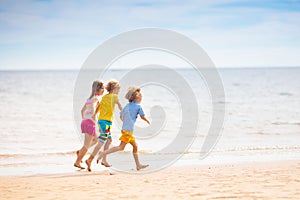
pixel 129 114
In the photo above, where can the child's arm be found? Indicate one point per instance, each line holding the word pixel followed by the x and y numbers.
pixel 82 111
pixel 121 117
pixel 97 108
pixel 119 105
pixel 94 116
pixel 145 119
pixel 96 111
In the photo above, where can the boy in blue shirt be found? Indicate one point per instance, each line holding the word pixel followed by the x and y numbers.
pixel 128 115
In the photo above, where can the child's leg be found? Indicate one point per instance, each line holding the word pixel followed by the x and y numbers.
pixel 92 156
pixel 80 154
pixel 112 150
pixel 104 161
pixel 136 156
pixel 94 141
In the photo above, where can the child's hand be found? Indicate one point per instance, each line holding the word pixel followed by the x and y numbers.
pixel 145 119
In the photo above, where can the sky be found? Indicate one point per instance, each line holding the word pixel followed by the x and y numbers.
pixel 55 34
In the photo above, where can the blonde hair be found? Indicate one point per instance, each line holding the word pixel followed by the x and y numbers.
pixel 111 85
pixel 132 93
pixel 96 87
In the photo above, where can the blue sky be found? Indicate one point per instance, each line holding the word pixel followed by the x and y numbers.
pixel 235 33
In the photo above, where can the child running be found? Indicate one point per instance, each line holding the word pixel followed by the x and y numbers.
pixel 106 108
pixel 88 123
pixel 128 115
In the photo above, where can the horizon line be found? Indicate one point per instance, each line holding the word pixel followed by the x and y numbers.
pixel 123 68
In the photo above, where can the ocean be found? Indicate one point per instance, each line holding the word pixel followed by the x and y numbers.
pixel 40 134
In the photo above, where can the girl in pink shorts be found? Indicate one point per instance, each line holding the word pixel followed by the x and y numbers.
pixel 88 123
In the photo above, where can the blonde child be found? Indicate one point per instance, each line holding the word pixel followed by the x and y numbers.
pixel 106 108
pixel 88 123
pixel 128 115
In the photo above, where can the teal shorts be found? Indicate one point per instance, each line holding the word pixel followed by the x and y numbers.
pixel 104 128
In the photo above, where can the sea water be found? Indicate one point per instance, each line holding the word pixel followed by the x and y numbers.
pixel 262 119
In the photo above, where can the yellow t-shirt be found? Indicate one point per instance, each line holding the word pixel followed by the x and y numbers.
pixel 107 107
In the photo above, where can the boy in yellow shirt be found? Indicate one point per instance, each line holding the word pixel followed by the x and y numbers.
pixel 106 108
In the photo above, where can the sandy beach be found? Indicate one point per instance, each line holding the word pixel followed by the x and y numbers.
pixel 270 180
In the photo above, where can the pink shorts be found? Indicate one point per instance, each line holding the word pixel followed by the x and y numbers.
pixel 88 126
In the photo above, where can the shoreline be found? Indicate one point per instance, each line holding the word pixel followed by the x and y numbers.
pixel 63 163
pixel 262 180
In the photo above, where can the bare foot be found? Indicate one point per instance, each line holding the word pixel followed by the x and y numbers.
pixel 78 165
pixel 77 152
pixel 100 156
pixel 106 164
pixel 141 167
pixel 88 163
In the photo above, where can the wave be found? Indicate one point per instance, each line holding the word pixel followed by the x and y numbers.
pixel 67 153
pixel 224 150
pixel 239 149
pixel 286 123
pixel 251 148
pixel 53 154
pixel 264 133
pixel 285 94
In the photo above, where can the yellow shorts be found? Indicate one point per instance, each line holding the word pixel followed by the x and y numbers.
pixel 127 136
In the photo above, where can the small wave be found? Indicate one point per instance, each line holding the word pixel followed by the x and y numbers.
pixel 5 156
pixel 222 102
pixel 266 148
pixel 264 133
pixel 37 154
pixel 285 94
pixel 234 149
pixel 286 123
pixel 280 123
pixel 22 164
